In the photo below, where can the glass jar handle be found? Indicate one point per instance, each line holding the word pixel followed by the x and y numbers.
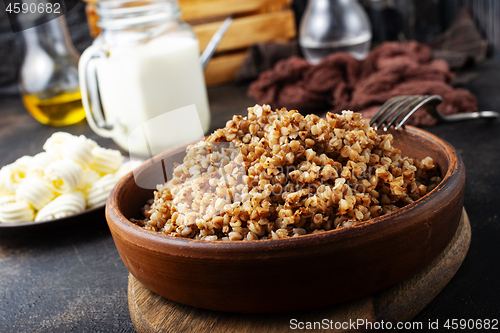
pixel 90 91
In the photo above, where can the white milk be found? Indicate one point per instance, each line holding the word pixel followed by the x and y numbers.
pixel 145 81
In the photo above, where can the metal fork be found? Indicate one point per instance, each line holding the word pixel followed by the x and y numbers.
pixel 403 107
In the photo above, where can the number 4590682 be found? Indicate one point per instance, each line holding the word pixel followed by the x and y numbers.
pixel 40 8
pixel 471 324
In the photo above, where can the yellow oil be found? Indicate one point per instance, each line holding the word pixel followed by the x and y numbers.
pixel 61 110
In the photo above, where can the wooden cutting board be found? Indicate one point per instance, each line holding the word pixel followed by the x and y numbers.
pixel 400 303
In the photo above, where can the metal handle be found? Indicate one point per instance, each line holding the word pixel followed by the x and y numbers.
pixel 472 115
pixel 90 91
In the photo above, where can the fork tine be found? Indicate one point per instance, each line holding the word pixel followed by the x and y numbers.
pixel 390 102
pixel 415 100
pixel 401 104
pixel 422 102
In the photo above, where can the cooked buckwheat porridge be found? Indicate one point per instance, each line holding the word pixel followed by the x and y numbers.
pixel 278 174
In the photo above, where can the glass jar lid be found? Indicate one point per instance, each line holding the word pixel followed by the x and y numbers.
pixel 126 14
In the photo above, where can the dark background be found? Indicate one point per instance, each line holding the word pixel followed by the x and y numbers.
pixel 12 48
pixel 421 19
pixel 76 282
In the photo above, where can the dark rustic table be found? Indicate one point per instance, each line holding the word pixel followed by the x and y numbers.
pixel 75 281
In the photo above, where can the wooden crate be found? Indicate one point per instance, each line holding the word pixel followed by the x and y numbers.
pixel 255 21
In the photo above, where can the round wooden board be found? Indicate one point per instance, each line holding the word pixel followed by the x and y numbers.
pixel 403 301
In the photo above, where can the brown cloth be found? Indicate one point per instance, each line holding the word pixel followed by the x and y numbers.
pixel 341 82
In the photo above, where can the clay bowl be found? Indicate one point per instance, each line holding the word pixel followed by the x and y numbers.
pixel 297 273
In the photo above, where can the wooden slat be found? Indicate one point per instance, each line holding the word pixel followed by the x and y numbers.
pixel 200 9
pixel 263 21
pixel 249 30
pixel 92 18
pixel 223 68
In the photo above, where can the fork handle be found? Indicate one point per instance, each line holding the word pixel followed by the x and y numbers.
pixel 472 115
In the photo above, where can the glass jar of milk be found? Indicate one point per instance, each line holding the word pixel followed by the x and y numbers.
pixel 142 80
